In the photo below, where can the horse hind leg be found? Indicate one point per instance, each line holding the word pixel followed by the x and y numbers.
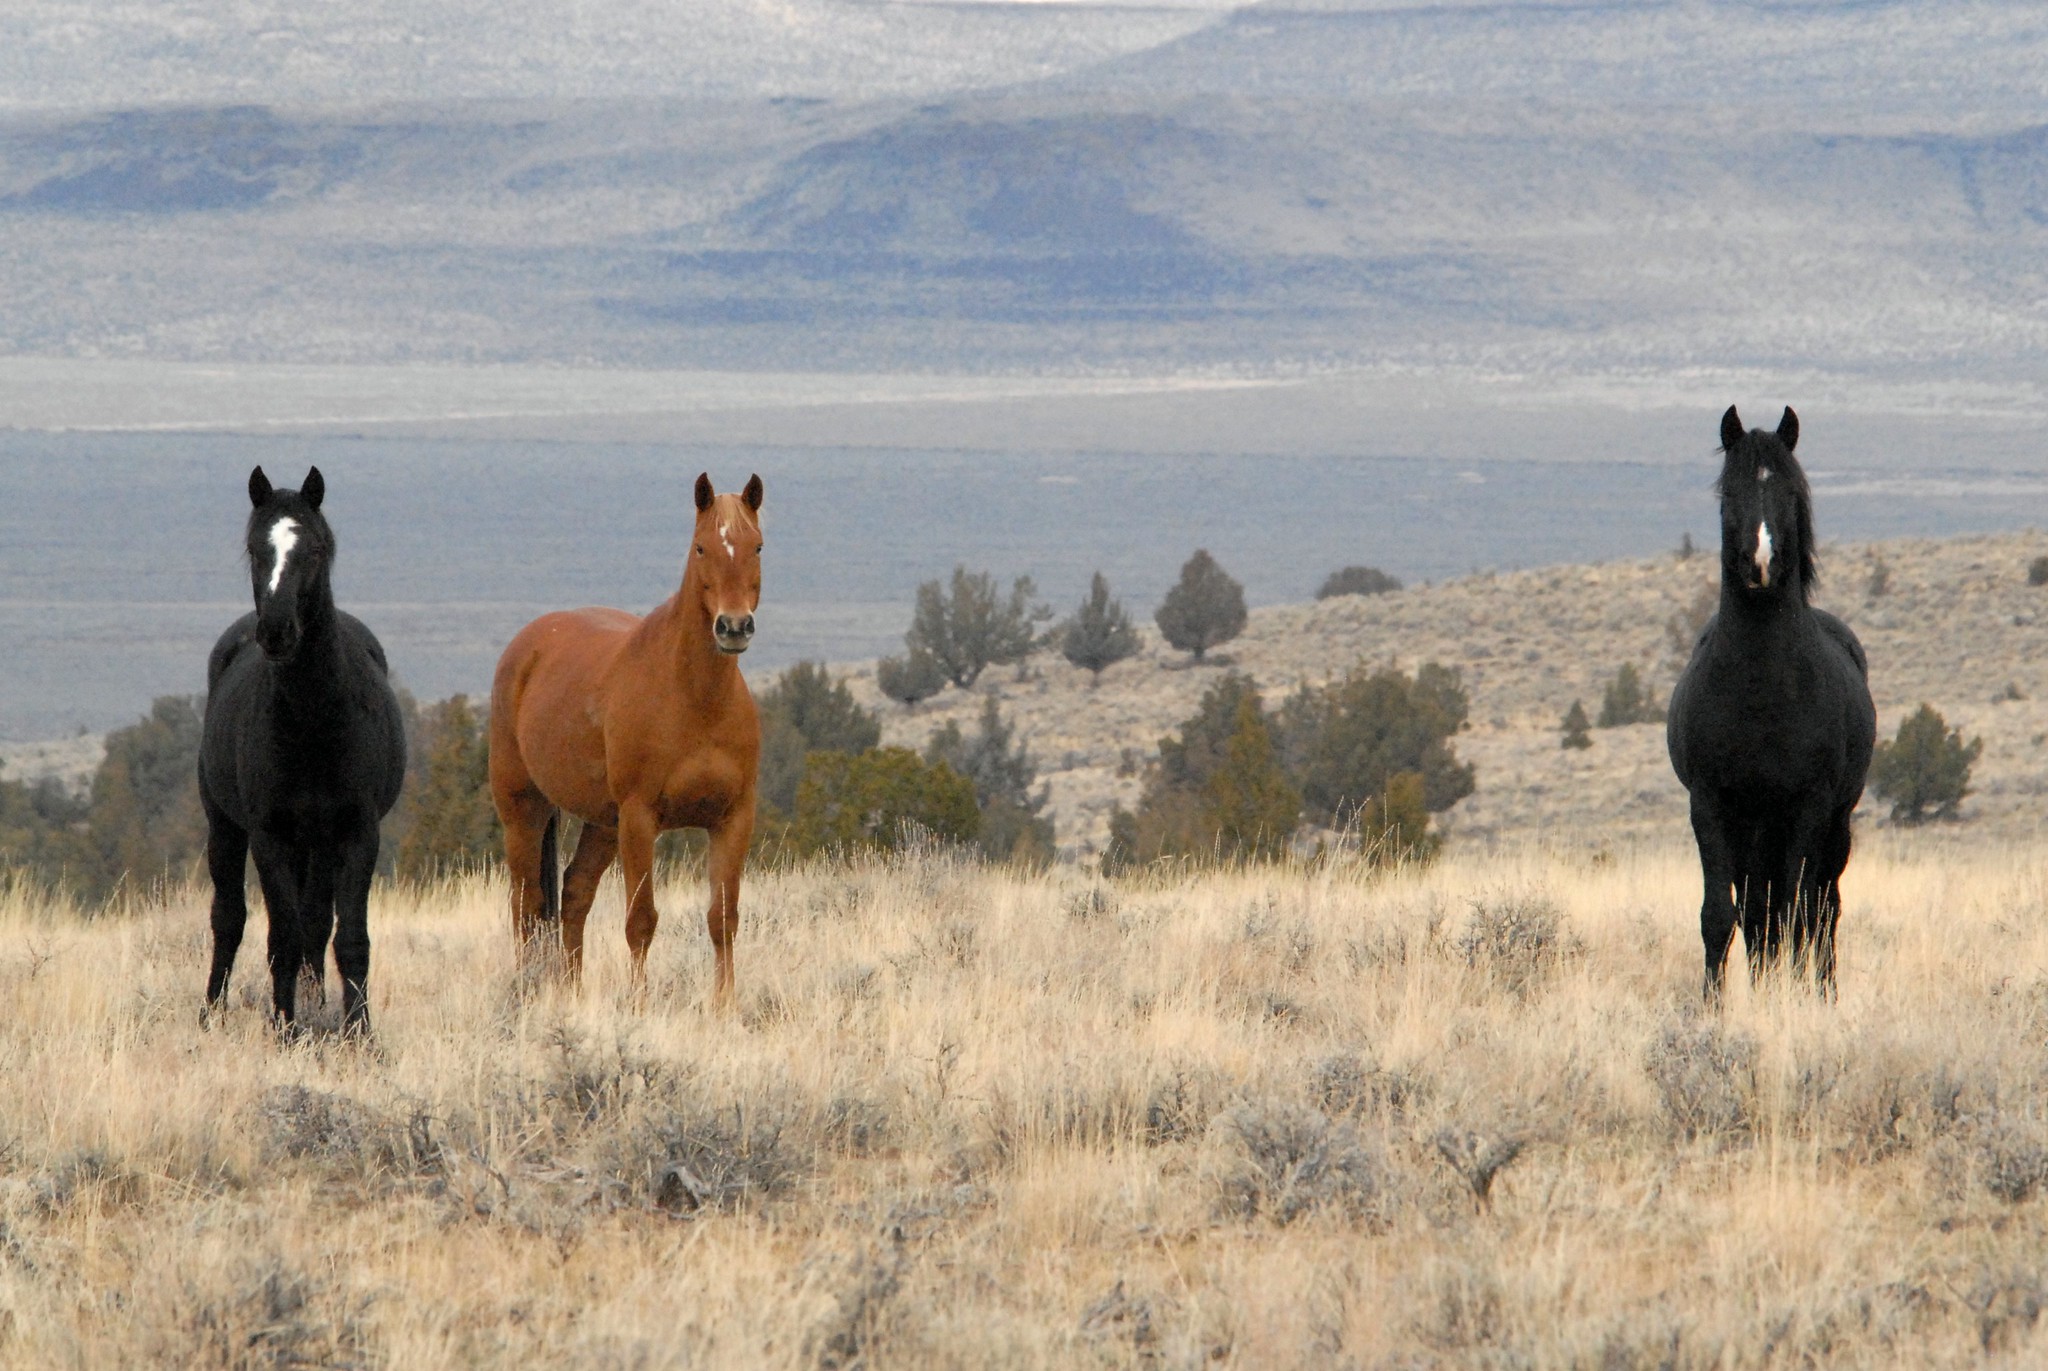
pixel 530 825
pixel 227 862
pixel 596 846
pixel 350 895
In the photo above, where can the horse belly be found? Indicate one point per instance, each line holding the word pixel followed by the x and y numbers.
pixel 555 699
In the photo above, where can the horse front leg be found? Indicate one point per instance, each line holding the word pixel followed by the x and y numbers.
pixel 1717 903
pixel 227 862
pixel 355 869
pixel 727 857
pixel 281 871
pixel 636 833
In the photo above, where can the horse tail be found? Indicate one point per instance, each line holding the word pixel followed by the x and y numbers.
pixel 550 869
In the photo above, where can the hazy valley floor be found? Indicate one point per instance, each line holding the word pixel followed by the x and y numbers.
pixel 967 1118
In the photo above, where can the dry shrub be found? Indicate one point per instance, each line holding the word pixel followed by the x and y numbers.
pixel 866 1285
pixel 303 1124
pixel 1706 1079
pixel 720 1159
pixel 2007 1305
pixel 1517 941
pixel 88 1180
pixel 1346 1085
pixel 1465 1314
pixel 1283 1160
pixel 587 1085
pixel 1181 1103
pixel 1120 1321
pixel 266 1316
pixel 2012 1155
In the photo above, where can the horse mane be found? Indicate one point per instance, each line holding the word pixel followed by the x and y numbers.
pixel 1761 448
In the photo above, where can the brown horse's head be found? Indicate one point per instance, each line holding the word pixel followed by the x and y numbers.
pixel 724 570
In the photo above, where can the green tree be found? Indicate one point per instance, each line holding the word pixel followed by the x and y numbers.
pixel 881 800
pixel 1575 725
pixel 144 823
pixel 914 677
pixel 1925 770
pixel 1218 788
pixel 974 627
pixel 42 831
pixel 1628 701
pixel 1100 634
pixel 1393 826
pixel 806 711
pixel 1358 580
pixel 449 821
pixel 1204 608
pixel 1345 742
pixel 1013 825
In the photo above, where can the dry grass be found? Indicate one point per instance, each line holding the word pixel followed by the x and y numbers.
pixel 971 1119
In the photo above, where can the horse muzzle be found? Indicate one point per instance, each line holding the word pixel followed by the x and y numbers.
pixel 278 638
pixel 733 632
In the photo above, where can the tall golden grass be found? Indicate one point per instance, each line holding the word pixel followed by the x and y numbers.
pixel 973 1118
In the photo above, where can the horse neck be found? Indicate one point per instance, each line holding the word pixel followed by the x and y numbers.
pixel 684 626
pixel 313 676
pixel 1777 615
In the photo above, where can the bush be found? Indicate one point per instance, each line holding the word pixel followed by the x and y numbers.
pixel 1218 788
pixel 447 819
pixel 1358 580
pixel 1346 742
pixel 1100 634
pixel 2037 572
pixel 1574 726
pixel 144 822
pixel 1013 827
pixel 914 677
pixel 1393 826
pixel 1205 608
pixel 974 628
pixel 806 711
pixel 1628 701
pixel 1682 630
pixel 1283 1160
pixel 1925 770
pixel 882 800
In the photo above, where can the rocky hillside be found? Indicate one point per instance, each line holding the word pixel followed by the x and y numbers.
pixel 1954 623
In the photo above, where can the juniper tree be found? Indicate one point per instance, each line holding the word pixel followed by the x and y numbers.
pixel 806 711
pixel 915 676
pixel 1013 825
pixel 1925 770
pixel 1204 608
pixel 974 627
pixel 1575 734
pixel 1358 580
pixel 1100 634
pixel 1627 700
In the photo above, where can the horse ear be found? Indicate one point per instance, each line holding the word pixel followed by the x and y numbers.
pixel 752 494
pixel 315 488
pixel 259 487
pixel 1788 429
pixel 1731 430
pixel 703 491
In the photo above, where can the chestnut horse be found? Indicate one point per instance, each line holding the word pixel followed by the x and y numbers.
pixel 634 725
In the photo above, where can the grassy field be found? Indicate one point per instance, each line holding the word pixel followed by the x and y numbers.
pixel 973 1119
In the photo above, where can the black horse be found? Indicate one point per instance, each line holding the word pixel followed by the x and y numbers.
pixel 1771 726
pixel 304 751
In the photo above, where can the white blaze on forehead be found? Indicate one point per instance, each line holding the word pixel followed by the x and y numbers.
pixel 1763 552
pixel 1762 474
pixel 284 536
pixel 725 536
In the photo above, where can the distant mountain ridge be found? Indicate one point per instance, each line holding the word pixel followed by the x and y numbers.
pixel 1858 188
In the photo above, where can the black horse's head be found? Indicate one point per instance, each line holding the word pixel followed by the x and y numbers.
pixel 290 550
pixel 1766 510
